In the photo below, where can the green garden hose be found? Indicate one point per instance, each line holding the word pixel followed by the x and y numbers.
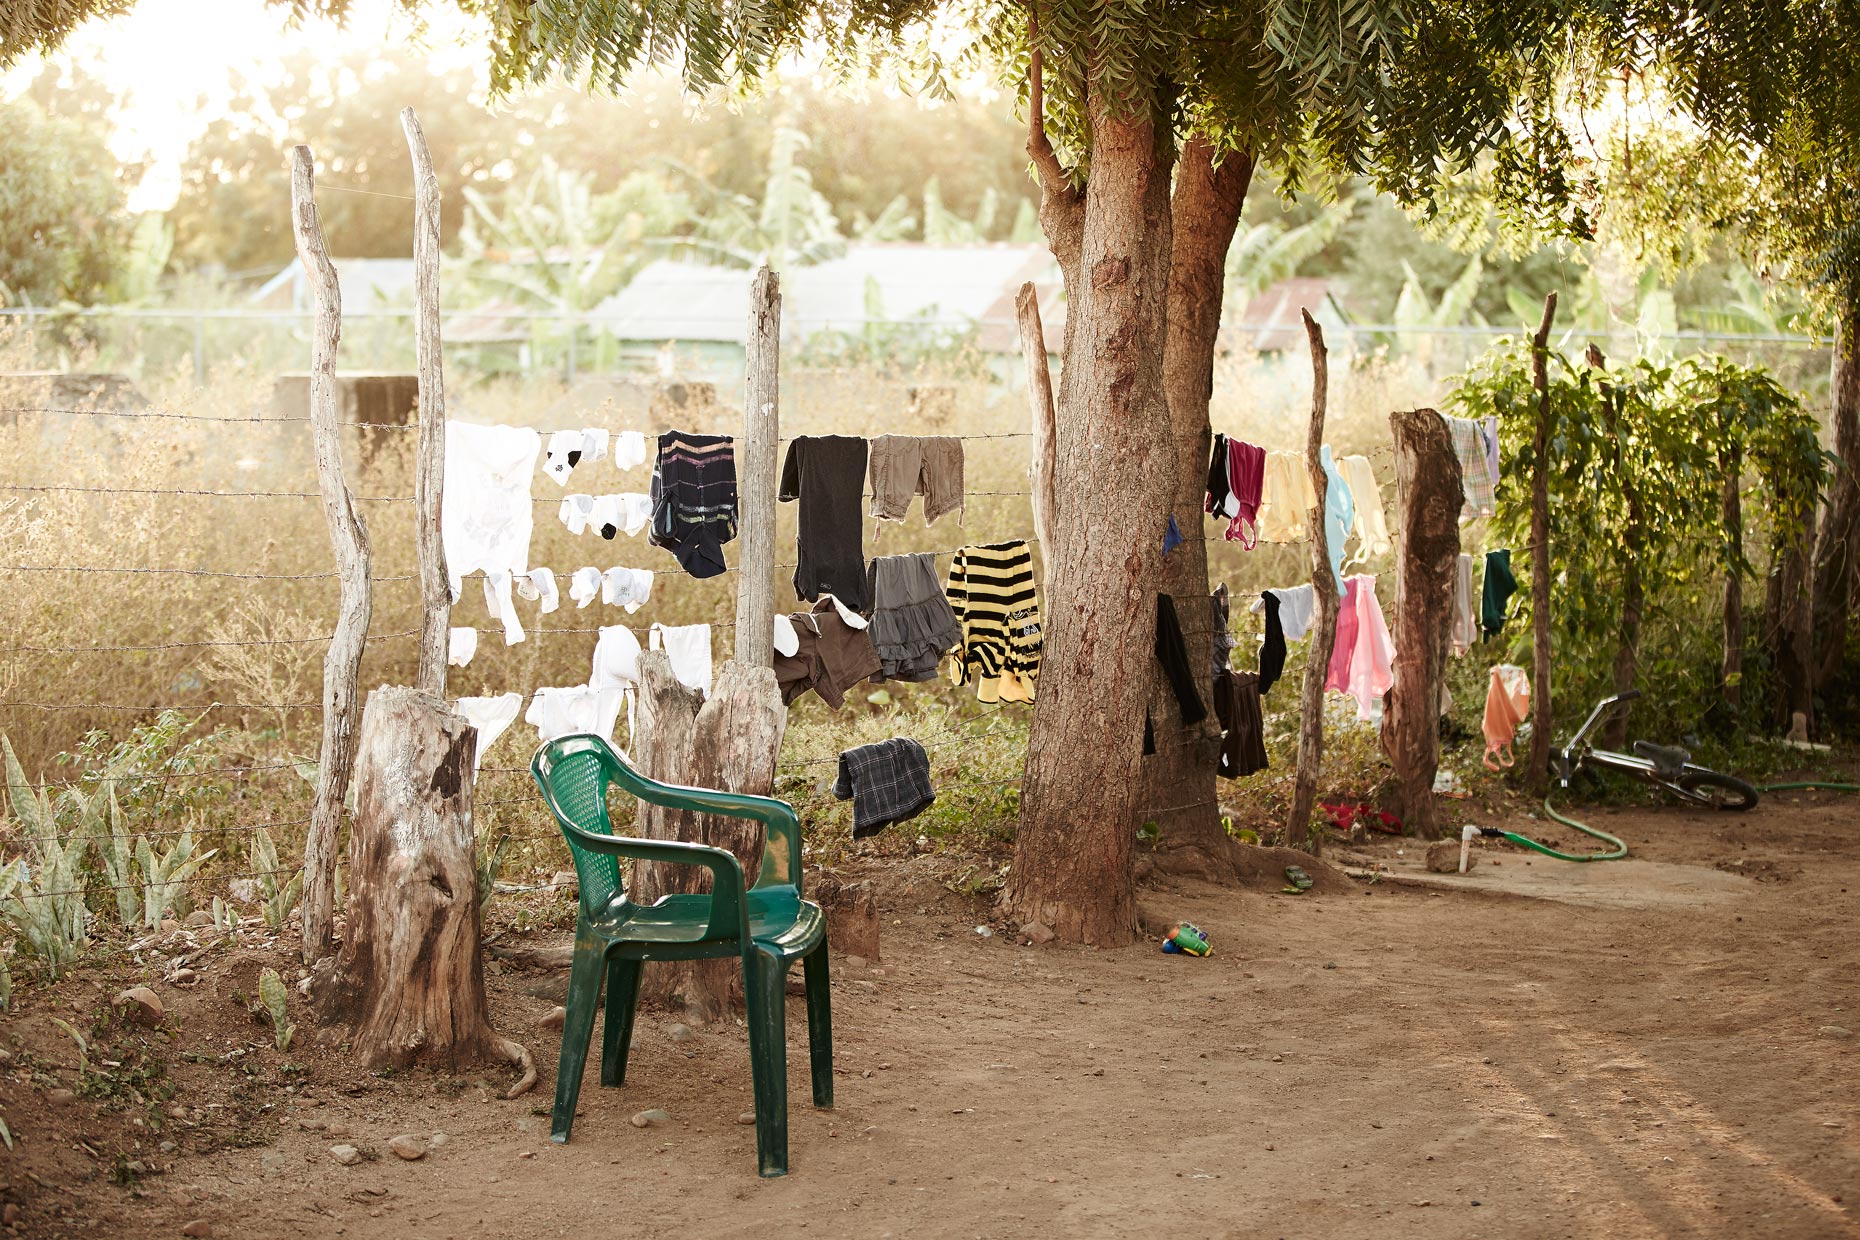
pixel 1619 850
pixel 1808 783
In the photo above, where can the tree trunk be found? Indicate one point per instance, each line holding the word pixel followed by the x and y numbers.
pixel 1732 672
pixel 728 742
pixel 411 972
pixel 1538 774
pixel 1298 832
pixel 1838 547
pixel 1072 865
pixel 1430 493
pixel 1789 619
pixel 1179 791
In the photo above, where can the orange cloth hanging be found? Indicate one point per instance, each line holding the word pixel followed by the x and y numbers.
pixel 1507 703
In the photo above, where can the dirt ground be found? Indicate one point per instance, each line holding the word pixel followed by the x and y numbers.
pixel 1372 1059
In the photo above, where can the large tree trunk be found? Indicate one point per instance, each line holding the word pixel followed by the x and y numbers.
pixel 1073 857
pixel 1838 547
pixel 1430 493
pixel 728 741
pixel 1179 792
pixel 411 971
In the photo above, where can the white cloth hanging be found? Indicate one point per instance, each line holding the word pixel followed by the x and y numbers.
pixel 1297 604
pixel 629 450
pixel 486 521
pixel 1464 630
pixel 626 587
pixel 539 583
pixel 503 609
pixel 585 586
pixel 574 709
pixel 491 716
pixel 688 647
pixel 461 645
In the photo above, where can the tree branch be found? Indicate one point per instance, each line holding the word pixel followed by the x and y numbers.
pixel 1053 179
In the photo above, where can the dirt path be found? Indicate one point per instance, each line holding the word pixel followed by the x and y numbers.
pixel 1387 1062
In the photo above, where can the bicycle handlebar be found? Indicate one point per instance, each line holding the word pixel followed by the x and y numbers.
pixel 1627 695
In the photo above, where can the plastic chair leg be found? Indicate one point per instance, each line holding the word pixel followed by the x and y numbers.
pixel 763 979
pixel 819 1024
pixel 584 996
pixel 617 1029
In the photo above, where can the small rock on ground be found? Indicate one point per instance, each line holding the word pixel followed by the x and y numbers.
pixel 198 1229
pixel 1836 1031
pixel 646 1119
pixel 1037 932
pixel 746 1118
pixel 347 1155
pixel 408 1147
pixel 439 1139
pixel 680 1033
pixel 1444 857
pixel 198 919
pixel 142 1005
pixel 555 1019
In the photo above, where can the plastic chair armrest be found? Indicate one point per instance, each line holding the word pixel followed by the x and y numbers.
pixel 729 916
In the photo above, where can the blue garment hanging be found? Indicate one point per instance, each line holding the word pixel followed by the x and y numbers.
pixel 1339 514
pixel 1172 537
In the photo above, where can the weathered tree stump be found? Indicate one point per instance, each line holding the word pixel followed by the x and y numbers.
pixel 410 975
pixel 728 742
pixel 852 915
pixel 1430 493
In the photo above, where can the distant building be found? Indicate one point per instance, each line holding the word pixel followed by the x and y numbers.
pixel 957 288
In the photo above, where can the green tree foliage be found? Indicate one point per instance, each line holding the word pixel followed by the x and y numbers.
pixel 1636 468
pixel 66 231
pixel 882 147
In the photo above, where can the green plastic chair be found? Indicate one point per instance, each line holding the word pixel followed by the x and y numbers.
pixel 768 925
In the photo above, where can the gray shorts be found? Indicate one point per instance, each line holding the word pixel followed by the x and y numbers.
pixel 907 465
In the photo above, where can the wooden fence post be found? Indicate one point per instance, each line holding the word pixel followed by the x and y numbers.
pixel 731 740
pixel 430 473
pixel 1430 493
pixel 756 474
pixel 349 537
pixel 1298 832
pixel 1541 720
pixel 1041 413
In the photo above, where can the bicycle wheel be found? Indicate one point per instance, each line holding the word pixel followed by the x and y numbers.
pixel 1723 791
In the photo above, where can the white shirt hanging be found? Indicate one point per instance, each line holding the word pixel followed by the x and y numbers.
pixel 574 709
pixel 486 521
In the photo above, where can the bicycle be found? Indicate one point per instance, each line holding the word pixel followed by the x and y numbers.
pixel 1666 767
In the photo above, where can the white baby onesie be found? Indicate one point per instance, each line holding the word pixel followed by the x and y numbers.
pixel 490 715
pixel 585 586
pixel 626 587
pixel 462 644
pixel 485 523
pixel 498 602
pixel 574 709
pixel 629 450
pixel 688 647
pixel 539 583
